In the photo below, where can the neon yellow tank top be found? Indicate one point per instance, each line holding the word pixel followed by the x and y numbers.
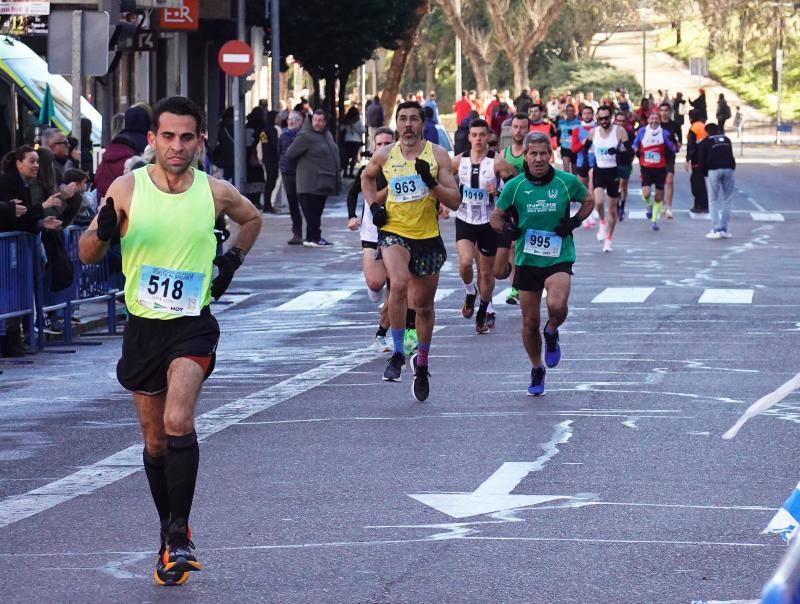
pixel 411 207
pixel 168 249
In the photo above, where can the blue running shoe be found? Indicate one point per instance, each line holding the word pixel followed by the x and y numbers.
pixel 552 351
pixel 537 382
pixel 654 226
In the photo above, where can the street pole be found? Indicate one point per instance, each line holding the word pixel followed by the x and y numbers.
pixel 644 60
pixel 458 56
pixel 779 70
pixel 238 109
pixel 77 22
pixel 275 46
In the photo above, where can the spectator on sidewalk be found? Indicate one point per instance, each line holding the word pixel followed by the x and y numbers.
pixel 461 142
pixel 351 134
pixel 523 102
pixel 699 105
pixel 316 157
pixel 289 176
pixel 679 114
pixel 431 102
pixel 429 131
pixel 375 118
pixel 723 113
pixel 223 152
pixel 738 122
pixel 498 117
pixel 269 157
pixel 253 187
pixel 697 132
pixel 56 142
pixel 716 161
pixel 462 108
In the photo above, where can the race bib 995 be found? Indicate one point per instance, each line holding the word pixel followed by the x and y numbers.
pixel 542 243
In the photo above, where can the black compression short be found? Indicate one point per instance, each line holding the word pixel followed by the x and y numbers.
pixel 483 235
pixel 150 345
pixel 532 278
pixel 608 179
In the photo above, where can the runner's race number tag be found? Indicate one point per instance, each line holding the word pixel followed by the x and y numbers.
pixel 542 243
pixel 408 188
pixel 174 292
pixel 652 157
pixel 475 197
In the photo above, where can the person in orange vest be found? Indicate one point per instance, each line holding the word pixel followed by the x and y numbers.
pixel 697 132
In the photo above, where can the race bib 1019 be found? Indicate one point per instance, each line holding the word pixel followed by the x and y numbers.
pixel 408 188
pixel 475 197
pixel 173 292
pixel 542 243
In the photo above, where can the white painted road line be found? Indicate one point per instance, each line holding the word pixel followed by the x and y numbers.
pixel 442 293
pixel 696 216
pixel 636 215
pixel 726 296
pixel 617 295
pixel 767 216
pixel 129 461
pixel 317 300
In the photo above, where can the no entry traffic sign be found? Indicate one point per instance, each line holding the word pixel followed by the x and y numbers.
pixel 235 58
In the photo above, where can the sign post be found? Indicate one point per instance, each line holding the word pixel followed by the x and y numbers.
pixel 235 58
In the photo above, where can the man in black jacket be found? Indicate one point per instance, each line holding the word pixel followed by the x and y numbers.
pixel 716 161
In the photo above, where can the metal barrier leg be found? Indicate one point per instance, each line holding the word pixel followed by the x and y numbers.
pixel 784 586
pixel 68 323
pixel 112 314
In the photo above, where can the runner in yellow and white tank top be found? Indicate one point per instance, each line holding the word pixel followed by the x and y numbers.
pixel 165 215
pixel 419 174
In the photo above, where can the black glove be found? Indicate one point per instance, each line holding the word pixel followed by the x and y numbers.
pixel 423 168
pixel 567 225
pixel 106 221
pixel 612 151
pixel 512 230
pixel 227 265
pixel 379 215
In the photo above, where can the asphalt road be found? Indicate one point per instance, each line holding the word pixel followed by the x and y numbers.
pixel 321 483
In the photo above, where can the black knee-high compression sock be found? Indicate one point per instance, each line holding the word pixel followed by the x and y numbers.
pixel 411 318
pixel 382 331
pixel 180 469
pixel 154 470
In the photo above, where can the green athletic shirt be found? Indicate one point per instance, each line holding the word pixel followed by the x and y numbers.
pixel 514 160
pixel 541 208
pixel 168 249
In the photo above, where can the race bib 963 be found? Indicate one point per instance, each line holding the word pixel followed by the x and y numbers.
pixel 408 188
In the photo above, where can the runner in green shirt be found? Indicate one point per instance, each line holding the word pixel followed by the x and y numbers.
pixel 545 249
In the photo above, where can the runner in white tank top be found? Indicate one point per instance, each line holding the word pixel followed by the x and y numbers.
pixel 608 141
pixel 478 177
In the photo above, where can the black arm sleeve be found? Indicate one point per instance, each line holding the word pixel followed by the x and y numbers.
pixel 352 195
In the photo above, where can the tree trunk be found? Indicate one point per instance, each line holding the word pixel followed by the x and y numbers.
pixel 315 101
pixel 395 74
pixel 520 67
pixel 330 104
pixel 678 32
pixel 411 68
pixel 430 74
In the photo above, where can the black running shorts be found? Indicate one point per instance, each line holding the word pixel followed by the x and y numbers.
pixel 671 165
pixel 608 179
pixel 427 255
pixel 565 152
pixel 369 245
pixel 150 345
pixel 503 240
pixel 532 278
pixel 654 176
pixel 582 171
pixel 483 235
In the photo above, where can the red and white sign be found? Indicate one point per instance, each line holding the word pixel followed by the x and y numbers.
pixel 235 58
pixel 184 17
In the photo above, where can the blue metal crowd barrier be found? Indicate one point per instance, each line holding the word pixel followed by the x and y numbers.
pixel 784 586
pixel 25 286
pixel 17 299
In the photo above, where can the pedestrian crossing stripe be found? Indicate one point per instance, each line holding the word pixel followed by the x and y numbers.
pixel 767 216
pixel 726 296
pixel 616 295
pixel 326 299
pixel 756 216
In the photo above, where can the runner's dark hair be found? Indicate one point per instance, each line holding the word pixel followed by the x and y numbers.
pixel 479 123
pixel 179 105
pixel 410 105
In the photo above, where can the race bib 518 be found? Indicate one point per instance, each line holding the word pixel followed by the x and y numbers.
pixel 166 290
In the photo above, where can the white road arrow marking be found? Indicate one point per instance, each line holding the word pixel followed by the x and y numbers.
pixel 494 494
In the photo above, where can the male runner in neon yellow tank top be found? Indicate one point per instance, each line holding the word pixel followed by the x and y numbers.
pixel 165 214
pixel 419 173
